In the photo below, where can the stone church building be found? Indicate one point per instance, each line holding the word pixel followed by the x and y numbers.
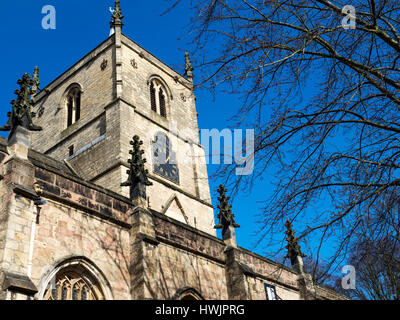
pixel 83 216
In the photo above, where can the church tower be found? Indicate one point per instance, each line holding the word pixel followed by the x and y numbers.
pixel 90 113
pixel 104 191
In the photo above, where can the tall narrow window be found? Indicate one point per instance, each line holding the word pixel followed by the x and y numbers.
pixel 270 292
pixel 75 292
pixel 70 107
pixel 71 151
pixel 84 293
pixel 158 98
pixel 64 291
pixel 163 111
pixel 78 106
pixel 153 98
pixel 73 106
pixel 54 293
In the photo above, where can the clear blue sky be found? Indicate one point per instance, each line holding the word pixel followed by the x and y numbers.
pixel 80 27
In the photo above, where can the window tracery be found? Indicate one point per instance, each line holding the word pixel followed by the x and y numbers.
pixel 73 104
pixel 158 97
pixel 72 285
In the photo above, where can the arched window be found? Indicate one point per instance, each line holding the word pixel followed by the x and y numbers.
pixel 73 105
pixel 73 284
pixel 163 110
pixel 187 294
pixel 153 98
pixel 158 97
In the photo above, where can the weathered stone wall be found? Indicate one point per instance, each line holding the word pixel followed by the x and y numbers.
pixel 247 274
pixel 79 139
pixel 188 258
pixel 136 87
pixel 17 214
pixel 193 181
pixel 101 138
pixel 97 93
pixel 172 269
pixel 66 232
pixel 200 215
pixel 5 198
pixel 184 258
pixel 187 237
pixel 256 289
pixel 181 124
pixel 17 236
pixel 98 201
pixel 111 179
pixel 142 254
pixel 83 221
pixel 78 220
pixel 93 163
pixel 267 268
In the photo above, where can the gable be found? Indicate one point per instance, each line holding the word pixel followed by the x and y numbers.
pixel 174 210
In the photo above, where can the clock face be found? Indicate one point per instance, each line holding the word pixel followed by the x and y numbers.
pixel 164 159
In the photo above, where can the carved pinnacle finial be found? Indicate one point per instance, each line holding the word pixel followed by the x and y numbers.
pixel 21 113
pixel 293 246
pixel 137 179
pixel 188 67
pixel 226 217
pixel 116 16
pixel 35 81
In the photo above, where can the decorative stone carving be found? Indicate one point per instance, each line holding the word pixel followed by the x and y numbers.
pixel 40 111
pixel 188 67
pixel 21 114
pixel 103 65
pixel 35 81
pixel 116 15
pixel 226 217
pixel 137 180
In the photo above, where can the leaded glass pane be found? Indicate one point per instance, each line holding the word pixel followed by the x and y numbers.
pixel 163 111
pixel 73 286
pixel 78 106
pixel 153 98
pixel 69 110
